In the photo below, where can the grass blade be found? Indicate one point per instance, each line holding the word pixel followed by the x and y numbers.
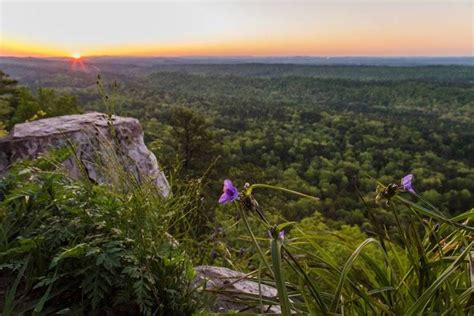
pixel 418 307
pixel 279 278
pixel 345 271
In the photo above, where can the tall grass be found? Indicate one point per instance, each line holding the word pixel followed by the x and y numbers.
pixel 423 267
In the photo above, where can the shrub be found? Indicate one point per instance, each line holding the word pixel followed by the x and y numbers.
pixel 71 246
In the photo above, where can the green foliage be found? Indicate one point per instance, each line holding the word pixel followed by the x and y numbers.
pixel 76 247
pixel 8 100
pixel 424 269
pixel 319 136
pixel 191 142
pixel 46 103
pixel 18 104
pixel 316 129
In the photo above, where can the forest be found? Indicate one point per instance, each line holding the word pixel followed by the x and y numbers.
pixel 326 131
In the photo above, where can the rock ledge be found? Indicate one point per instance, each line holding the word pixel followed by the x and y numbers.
pixel 95 139
pixel 231 284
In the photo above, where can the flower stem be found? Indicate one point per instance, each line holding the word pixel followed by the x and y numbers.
pixel 272 187
pixel 254 240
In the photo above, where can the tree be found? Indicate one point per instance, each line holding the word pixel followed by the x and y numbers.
pixel 46 103
pixel 193 140
pixel 8 100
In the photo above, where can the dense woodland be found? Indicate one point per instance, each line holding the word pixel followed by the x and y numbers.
pixel 328 131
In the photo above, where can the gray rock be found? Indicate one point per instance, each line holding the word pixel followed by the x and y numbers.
pixel 231 287
pixel 104 149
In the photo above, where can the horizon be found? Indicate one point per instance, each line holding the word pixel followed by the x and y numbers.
pixel 319 28
pixel 250 56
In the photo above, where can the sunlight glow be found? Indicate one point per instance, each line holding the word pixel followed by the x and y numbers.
pixel 235 28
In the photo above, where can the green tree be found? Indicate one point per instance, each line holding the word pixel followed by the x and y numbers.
pixel 193 140
pixel 46 103
pixel 8 100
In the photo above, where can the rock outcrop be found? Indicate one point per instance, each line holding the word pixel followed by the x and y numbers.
pixel 97 140
pixel 230 286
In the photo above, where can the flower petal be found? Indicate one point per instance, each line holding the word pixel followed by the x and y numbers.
pixel 228 185
pixel 235 194
pixel 224 198
pixel 407 179
pixel 406 183
pixel 230 192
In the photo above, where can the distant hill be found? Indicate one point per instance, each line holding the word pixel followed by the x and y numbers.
pixel 65 72
pixel 298 60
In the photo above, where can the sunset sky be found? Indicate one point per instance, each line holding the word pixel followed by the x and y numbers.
pixel 236 28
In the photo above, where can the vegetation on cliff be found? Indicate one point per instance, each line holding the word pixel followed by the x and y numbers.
pixel 74 246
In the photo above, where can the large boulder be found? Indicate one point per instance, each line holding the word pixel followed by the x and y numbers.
pixel 234 289
pixel 105 147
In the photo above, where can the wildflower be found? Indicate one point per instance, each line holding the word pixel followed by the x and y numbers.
pixel 406 183
pixel 281 234
pixel 230 193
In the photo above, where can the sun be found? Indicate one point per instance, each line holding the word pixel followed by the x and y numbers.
pixel 76 55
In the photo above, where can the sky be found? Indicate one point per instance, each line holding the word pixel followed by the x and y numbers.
pixel 237 28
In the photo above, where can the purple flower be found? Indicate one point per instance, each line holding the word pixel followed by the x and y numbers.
pixel 406 183
pixel 230 192
pixel 281 234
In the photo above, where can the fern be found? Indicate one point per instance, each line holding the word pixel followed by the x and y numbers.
pixel 92 248
pixel 142 294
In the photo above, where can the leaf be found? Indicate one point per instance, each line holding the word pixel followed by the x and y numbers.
pixel 272 187
pixel 279 277
pixel 39 306
pixel 424 211
pixel 298 269
pixel 418 307
pixel 345 271
pixel 25 245
pixel 10 295
pixel 75 251
pixel 282 226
